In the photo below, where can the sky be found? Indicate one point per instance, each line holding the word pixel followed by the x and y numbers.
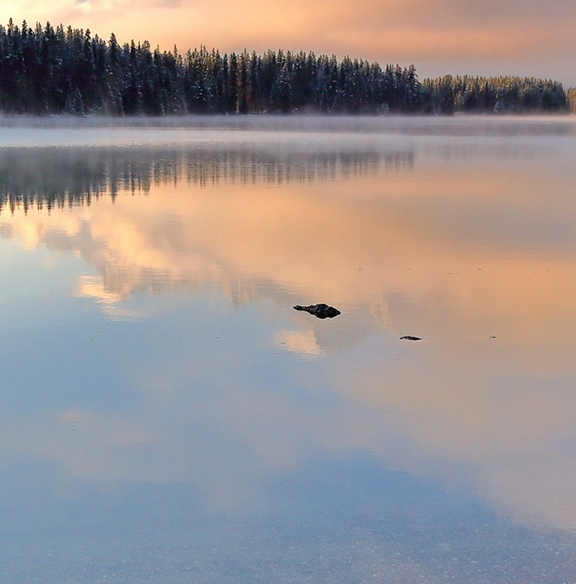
pixel 492 37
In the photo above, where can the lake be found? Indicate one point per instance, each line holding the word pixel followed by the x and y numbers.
pixel 168 417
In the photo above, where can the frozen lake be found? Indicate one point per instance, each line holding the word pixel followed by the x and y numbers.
pixel 168 417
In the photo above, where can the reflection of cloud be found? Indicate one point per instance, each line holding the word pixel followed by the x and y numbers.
pixel 30 236
pixel 511 439
pixel 228 432
pixel 301 342
pixel 386 244
pixel 455 253
pixel 93 287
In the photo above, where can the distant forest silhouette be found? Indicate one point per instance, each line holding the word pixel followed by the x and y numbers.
pixel 63 177
pixel 50 71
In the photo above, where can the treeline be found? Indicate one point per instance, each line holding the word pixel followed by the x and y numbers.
pixel 46 70
pixel 466 94
pixel 49 70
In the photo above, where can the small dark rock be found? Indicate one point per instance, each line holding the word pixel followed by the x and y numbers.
pixel 319 310
pixel 410 338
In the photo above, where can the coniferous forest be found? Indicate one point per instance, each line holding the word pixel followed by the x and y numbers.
pixel 46 70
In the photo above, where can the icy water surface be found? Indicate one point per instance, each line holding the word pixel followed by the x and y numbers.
pixel 168 417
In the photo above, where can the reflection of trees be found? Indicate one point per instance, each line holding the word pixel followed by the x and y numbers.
pixel 38 177
pixel 248 166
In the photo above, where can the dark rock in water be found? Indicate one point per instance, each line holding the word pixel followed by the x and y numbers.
pixel 410 338
pixel 319 310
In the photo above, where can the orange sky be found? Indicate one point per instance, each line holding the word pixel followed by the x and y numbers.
pixel 493 37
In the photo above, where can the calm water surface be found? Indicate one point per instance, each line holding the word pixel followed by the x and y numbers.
pixel 167 417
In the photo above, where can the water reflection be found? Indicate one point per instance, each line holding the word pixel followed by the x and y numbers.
pixel 215 381
pixel 59 177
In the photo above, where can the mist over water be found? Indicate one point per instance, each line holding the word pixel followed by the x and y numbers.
pixel 169 417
